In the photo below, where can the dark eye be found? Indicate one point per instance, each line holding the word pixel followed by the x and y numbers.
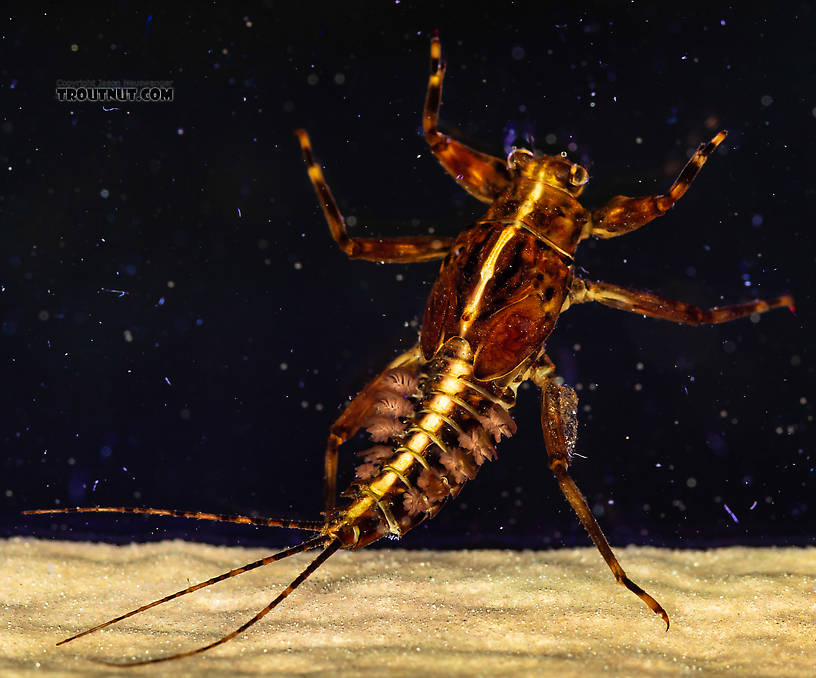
pixel 516 157
pixel 578 176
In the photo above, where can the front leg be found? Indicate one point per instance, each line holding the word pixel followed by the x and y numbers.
pixel 622 214
pixel 558 423
pixel 483 176
pixel 405 250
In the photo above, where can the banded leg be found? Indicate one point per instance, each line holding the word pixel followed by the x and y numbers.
pixel 558 422
pixel 483 176
pixel 623 214
pixel 645 303
pixel 401 250
pixel 355 414
pixel 308 525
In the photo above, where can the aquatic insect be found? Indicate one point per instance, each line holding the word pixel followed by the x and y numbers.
pixel 436 412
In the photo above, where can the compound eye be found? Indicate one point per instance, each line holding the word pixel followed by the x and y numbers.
pixel 515 158
pixel 578 175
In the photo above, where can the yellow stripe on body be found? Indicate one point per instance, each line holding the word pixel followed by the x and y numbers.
pixel 417 442
pixel 489 266
pixel 485 274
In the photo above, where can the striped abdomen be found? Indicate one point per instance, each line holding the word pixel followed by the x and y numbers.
pixel 434 429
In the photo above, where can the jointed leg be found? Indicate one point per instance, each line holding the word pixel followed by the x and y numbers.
pixel 558 424
pixel 404 250
pixel 483 176
pixel 645 303
pixel 623 215
pixel 356 413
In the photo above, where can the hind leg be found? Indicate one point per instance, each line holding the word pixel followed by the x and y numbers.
pixel 357 413
pixel 558 423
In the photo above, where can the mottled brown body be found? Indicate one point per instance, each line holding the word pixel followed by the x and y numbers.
pixel 449 426
pixel 437 411
pixel 504 308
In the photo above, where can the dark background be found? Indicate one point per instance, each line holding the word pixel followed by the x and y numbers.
pixel 248 328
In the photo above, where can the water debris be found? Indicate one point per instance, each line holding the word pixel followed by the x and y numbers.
pixel 731 513
pixel 118 293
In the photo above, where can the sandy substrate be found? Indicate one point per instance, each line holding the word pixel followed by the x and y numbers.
pixel 735 611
